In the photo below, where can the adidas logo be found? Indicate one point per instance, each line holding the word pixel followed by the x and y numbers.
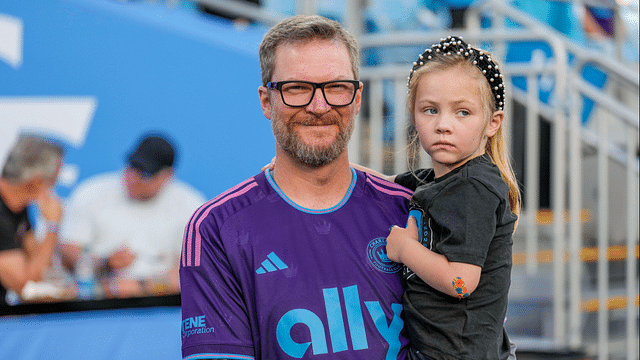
pixel 272 263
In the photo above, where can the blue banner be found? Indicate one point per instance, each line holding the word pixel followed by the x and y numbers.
pixel 96 74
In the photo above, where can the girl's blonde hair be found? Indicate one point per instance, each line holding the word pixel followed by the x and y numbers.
pixel 493 101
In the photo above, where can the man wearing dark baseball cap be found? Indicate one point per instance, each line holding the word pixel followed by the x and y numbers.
pixel 150 167
pixel 153 153
pixel 132 221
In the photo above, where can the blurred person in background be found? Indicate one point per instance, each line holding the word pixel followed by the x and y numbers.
pixel 28 176
pixel 131 223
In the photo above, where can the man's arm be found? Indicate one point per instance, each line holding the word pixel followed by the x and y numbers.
pixel 18 266
pixel 30 262
pixel 211 289
pixel 69 254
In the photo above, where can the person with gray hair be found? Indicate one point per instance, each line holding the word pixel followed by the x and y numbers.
pixel 28 175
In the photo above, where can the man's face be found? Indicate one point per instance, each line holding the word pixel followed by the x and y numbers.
pixel 142 188
pixel 38 185
pixel 318 133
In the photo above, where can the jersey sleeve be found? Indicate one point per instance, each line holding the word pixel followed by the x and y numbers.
pixel 465 213
pixel 215 318
pixel 190 201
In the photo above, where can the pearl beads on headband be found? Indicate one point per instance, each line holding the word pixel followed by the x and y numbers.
pixel 455 45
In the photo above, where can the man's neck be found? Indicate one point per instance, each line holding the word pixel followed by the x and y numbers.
pixel 310 187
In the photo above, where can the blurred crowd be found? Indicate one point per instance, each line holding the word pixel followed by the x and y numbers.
pixel 118 235
pixel 590 23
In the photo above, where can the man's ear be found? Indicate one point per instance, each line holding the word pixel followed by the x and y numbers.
pixel 358 99
pixel 265 101
pixel 165 175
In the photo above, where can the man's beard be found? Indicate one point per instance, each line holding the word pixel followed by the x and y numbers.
pixel 311 155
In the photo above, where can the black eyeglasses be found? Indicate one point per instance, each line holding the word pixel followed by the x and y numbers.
pixel 297 93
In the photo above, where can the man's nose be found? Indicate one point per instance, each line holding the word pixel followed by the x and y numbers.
pixel 318 104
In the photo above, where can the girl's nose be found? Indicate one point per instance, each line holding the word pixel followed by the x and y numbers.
pixel 443 124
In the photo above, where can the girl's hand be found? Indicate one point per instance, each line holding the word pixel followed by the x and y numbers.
pixel 398 239
pixel 270 165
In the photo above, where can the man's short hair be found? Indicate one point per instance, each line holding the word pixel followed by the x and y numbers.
pixel 302 28
pixel 32 156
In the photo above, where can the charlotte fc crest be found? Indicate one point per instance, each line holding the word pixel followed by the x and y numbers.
pixel 377 254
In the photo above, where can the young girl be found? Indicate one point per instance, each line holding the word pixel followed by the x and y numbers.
pixel 458 262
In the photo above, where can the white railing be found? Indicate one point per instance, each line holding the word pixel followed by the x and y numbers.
pixel 572 167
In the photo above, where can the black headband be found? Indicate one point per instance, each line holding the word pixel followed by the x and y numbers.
pixel 455 45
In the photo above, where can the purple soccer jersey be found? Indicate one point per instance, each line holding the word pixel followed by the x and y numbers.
pixel 263 278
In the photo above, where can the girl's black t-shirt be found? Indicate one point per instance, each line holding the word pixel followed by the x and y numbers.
pixel 465 216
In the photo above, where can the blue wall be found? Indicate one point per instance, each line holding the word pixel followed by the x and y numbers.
pixel 138 333
pixel 136 67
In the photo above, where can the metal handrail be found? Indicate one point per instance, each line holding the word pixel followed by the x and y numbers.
pixel 566 103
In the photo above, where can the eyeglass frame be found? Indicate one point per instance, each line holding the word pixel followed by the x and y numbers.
pixel 277 85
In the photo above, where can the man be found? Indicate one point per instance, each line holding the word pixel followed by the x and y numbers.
pixel 28 175
pixel 132 222
pixel 291 263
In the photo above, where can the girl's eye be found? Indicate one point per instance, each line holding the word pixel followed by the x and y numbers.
pixel 430 111
pixel 463 113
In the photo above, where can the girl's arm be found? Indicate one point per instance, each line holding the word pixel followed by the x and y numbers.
pixel 390 178
pixel 453 278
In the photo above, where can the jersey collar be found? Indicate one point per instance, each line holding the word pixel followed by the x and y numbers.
pixel 344 200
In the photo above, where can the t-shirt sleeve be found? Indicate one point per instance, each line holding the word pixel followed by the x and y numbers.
pixel 465 211
pixel 76 227
pixel 215 318
pixel 411 180
pixel 7 240
pixel 8 235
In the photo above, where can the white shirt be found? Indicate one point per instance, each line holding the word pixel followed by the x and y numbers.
pixel 101 217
